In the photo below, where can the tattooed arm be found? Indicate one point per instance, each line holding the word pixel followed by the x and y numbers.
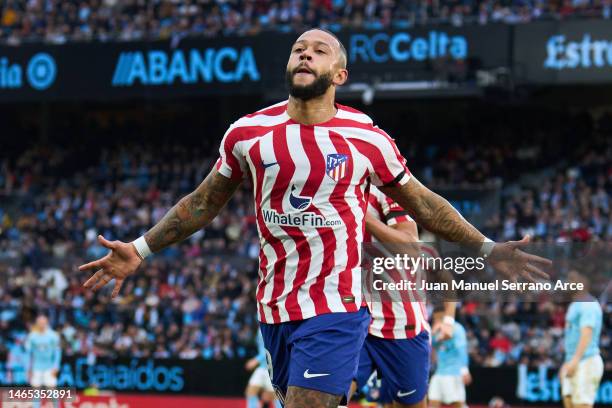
pixel 191 213
pixel 435 214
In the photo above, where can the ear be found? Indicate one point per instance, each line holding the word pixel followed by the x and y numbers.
pixel 340 77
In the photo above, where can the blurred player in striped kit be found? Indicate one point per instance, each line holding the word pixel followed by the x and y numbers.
pixel 260 385
pixel 397 349
pixel 581 373
pixel 45 353
pixel 448 383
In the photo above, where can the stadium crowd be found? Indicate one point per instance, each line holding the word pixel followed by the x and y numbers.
pixel 59 21
pixel 196 300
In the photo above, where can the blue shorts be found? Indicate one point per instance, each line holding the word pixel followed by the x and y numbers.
pixel 402 365
pixel 320 353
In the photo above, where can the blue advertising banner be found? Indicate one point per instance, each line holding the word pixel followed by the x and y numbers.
pixel 233 66
pixel 538 386
pixel 569 52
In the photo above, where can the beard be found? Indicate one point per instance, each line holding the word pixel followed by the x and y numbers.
pixel 306 92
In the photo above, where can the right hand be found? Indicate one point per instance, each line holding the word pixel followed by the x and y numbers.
pixel 118 264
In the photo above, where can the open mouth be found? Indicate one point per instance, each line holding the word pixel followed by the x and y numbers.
pixel 303 70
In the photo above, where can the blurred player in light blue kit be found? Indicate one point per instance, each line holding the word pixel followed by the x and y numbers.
pixel 260 383
pixel 581 373
pixel 447 386
pixel 45 353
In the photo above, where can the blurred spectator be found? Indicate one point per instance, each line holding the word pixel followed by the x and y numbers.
pixel 86 20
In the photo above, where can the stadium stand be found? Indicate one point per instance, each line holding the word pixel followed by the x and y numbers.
pixel 59 21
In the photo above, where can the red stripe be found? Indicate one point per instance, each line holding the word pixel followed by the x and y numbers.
pixel 276 244
pixel 341 205
pixel 281 186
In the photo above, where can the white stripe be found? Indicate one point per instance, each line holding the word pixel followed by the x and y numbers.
pixel 358 117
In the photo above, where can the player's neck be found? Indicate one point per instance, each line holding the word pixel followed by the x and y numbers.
pixel 313 111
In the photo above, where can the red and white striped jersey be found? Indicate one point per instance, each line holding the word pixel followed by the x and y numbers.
pixel 394 317
pixel 310 184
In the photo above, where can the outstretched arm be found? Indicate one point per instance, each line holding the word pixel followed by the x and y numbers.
pixel 191 213
pixel 436 214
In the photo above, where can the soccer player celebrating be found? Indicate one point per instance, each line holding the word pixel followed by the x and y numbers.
pixel 581 373
pixel 397 345
pixel 310 160
pixel 452 374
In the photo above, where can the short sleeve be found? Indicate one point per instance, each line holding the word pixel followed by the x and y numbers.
pixel 388 165
pixel 589 315
pixel 231 162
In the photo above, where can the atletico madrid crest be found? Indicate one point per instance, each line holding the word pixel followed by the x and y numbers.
pixel 336 166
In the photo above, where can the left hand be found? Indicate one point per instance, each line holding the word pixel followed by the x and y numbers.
pixel 508 259
pixel 568 369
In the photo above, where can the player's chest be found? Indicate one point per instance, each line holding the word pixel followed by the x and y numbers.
pixel 41 344
pixel 572 318
pixel 305 155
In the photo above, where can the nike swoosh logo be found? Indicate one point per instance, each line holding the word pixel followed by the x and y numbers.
pixel 405 394
pixel 308 375
pixel 266 165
